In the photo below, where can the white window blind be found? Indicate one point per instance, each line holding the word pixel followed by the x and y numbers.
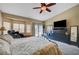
pixel 16 27
pixel 21 29
pixel 28 28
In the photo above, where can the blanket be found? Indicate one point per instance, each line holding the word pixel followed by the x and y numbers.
pixel 50 49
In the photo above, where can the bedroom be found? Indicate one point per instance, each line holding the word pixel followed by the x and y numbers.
pixel 23 23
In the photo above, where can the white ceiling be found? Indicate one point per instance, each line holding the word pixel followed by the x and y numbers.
pixel 25 9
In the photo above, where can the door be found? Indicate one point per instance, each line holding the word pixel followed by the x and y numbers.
pixel 38 29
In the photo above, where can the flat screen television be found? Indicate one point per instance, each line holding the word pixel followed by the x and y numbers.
pixel 60 23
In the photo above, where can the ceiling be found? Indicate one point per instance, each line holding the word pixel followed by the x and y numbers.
pixel 25 10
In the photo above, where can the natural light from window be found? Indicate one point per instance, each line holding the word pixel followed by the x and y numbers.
pixel 7 26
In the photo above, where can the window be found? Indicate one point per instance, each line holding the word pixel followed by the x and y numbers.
pixel 38 29
pixel 49 28
pixel 7 26
pixel 21 29
pixel 28 28
pixel 16 27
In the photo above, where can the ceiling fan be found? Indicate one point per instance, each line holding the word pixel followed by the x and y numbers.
pixel 44 7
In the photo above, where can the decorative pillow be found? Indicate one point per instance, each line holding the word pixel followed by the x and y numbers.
pixel 7 38
pixel 4 48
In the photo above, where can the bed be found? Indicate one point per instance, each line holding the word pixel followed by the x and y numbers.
pixel 27 46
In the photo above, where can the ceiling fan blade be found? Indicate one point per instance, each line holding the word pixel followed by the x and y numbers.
pixel 43 4
pixel 48 10
pixel 36 7
pixel 51 4
pixel 41 11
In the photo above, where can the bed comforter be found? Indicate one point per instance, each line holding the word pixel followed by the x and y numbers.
pixel 34 46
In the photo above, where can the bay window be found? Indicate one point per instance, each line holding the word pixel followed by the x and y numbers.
pixel 18 27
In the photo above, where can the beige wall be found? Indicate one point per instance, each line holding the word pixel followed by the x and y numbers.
pixel 0 21
pixel 71 15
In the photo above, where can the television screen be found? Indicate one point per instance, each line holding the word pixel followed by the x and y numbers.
pixel 60 23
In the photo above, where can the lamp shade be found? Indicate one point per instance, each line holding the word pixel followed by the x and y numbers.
pixel 2 29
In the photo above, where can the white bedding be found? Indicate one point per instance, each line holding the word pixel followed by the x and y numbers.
pixel 27 46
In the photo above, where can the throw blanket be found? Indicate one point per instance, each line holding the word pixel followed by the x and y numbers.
pixel 50 49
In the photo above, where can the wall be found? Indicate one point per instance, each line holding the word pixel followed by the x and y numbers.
pixel 0 21
pixel 71 15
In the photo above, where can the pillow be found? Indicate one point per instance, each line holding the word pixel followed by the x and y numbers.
pixel 4 48
pixel 7 38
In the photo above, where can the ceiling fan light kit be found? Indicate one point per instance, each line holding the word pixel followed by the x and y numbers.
pixel 44 7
